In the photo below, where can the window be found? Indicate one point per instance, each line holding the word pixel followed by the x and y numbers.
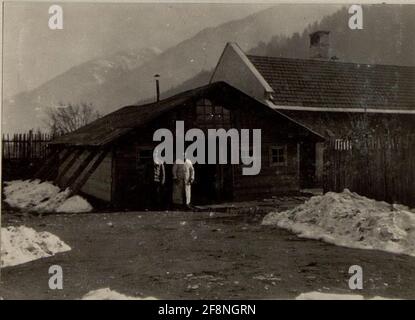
pixel 211 116
pixel 278 155
pixel 342 144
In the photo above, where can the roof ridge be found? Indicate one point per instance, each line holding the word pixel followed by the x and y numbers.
pixel 173 96
pixel 329 61
pixel 118 122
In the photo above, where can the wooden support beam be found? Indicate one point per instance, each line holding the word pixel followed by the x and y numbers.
pixel 52 169
pixel 72 179
pixel 84 178
pixel 71 161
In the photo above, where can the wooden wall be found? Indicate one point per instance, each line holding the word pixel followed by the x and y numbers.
pixel 126 193
pixel 387 164
pixel 99 184
pixel 272 180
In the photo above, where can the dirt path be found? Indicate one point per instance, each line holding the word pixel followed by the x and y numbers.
pixel 197 255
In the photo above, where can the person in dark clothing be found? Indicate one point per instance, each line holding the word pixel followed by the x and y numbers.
pixel 159 180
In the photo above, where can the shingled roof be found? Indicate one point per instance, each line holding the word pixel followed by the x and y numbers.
pixel 337 85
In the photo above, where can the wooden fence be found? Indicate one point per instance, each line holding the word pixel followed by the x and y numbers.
pixel 22 154
pixel 381 168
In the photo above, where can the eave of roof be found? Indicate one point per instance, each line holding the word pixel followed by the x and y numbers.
pixel 351 110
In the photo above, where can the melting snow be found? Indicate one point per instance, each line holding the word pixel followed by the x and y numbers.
pixel 21 244
pixel 40 196
pixel 348 219
pixel 315 295
pixel 75 204
pixel 108 294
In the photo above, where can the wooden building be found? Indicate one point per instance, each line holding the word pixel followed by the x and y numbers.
pixel 111 158
pixel 333 98
pixel 297 103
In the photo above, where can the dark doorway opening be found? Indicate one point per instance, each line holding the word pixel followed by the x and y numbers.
pixel 307 154
pixel 213 183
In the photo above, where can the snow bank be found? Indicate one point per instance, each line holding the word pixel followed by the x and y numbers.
pixel 108 294
pixel 315 295
pixel 75 204
pixel 348 219
pixel 21 244
pixel 40 196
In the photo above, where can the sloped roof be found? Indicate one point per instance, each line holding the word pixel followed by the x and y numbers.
pixel 122 121
pixel 118 123
pixel 337 85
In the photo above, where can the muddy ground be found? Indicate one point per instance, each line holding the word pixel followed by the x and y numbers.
pixel 188 255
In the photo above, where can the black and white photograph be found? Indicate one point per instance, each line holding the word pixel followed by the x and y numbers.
pixel 212 151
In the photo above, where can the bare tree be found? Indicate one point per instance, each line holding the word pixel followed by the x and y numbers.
pixel 63 118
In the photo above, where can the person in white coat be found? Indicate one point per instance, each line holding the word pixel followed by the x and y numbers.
pixel 183 177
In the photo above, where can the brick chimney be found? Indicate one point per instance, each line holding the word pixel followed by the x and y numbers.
pixel 320 45
pixel 157 77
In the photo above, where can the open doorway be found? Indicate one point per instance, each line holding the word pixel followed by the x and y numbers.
pixel 307 164
pixel 213 183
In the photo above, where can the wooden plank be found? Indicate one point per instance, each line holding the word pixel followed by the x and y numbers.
pixel 50 173
pixel 78 171
pixel 8 146
pixel 379 167
pixel 75 155
pixel 98 158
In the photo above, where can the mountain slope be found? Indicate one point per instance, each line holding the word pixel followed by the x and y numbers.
pixel 387 37
pixel 378 43
pixel 25 110
pixel 109 88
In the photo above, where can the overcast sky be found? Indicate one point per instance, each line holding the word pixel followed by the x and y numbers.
pixel 34 54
